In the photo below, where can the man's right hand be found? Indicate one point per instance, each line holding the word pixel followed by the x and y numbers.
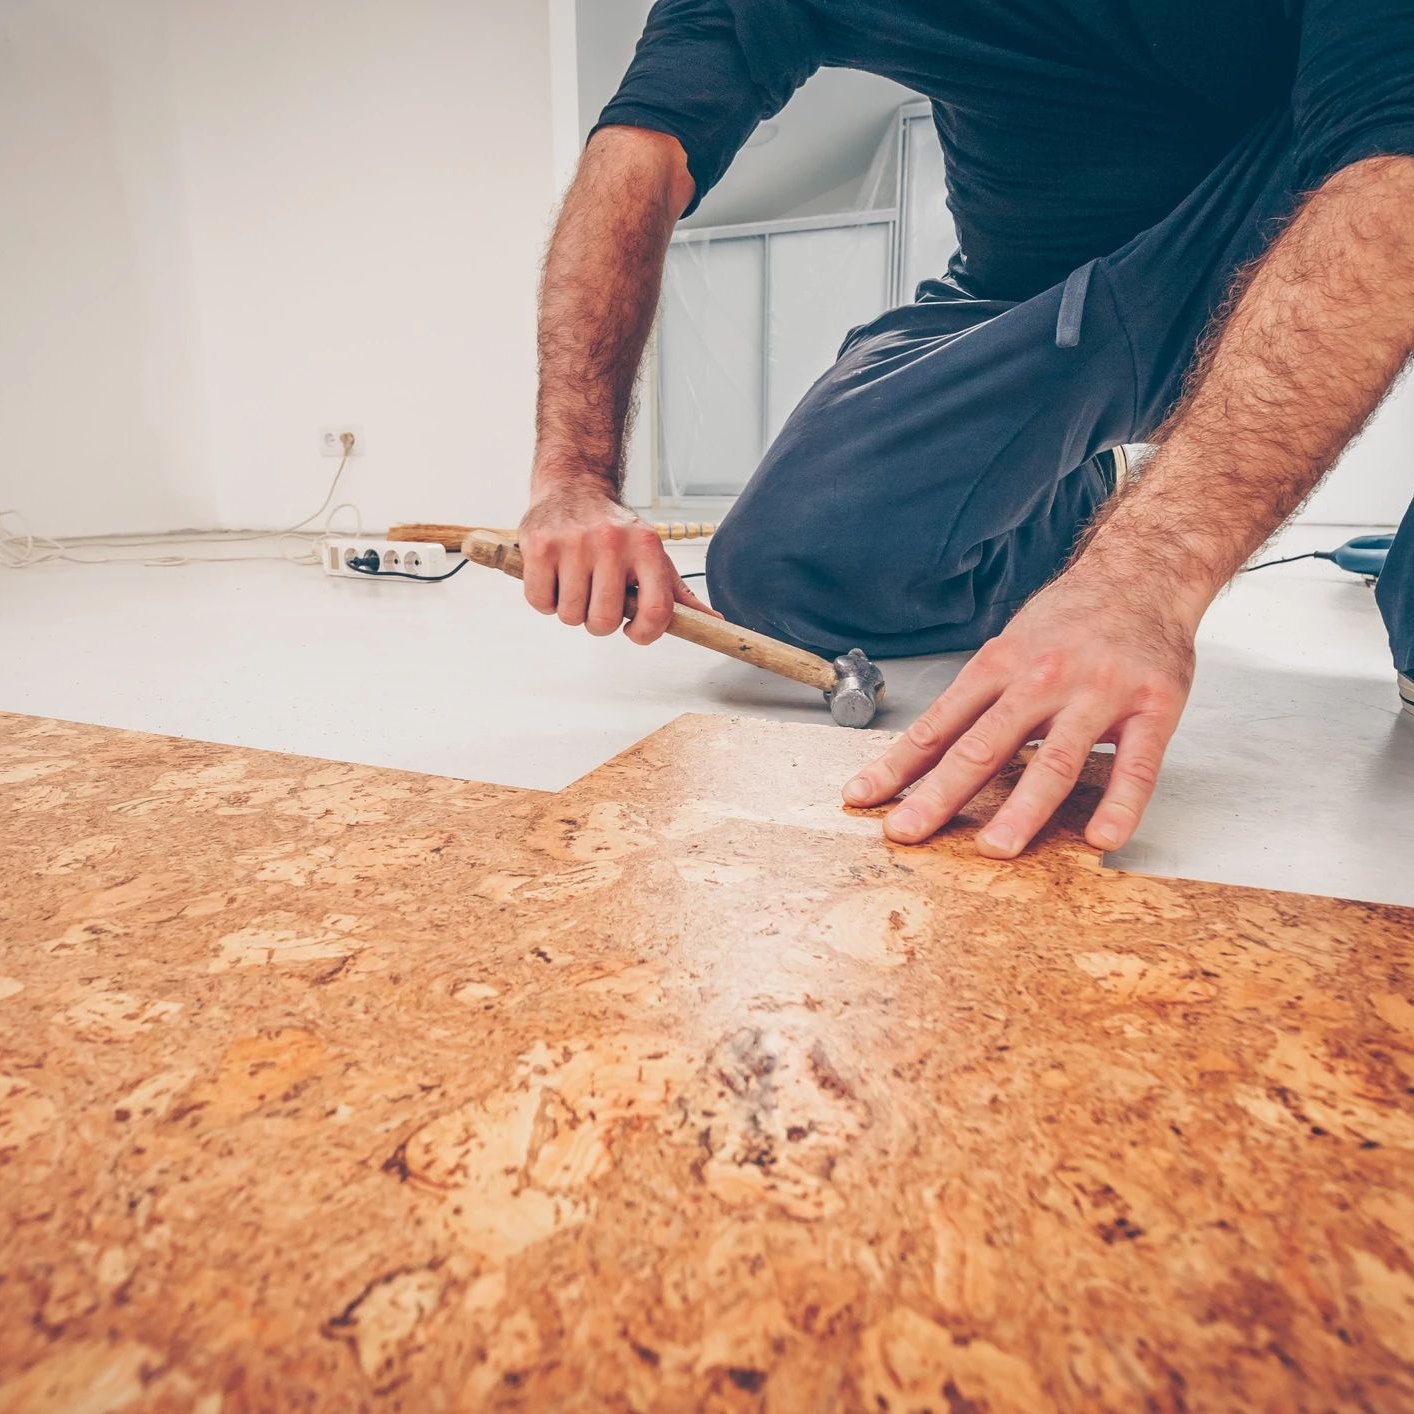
pixel 583 551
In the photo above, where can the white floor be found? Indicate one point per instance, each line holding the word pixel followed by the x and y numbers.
pixel 1294 768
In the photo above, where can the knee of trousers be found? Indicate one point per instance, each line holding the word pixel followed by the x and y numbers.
pixel 828 576
pixel 814 591
pixel 806 582
pixel 749 578
pixel 783 573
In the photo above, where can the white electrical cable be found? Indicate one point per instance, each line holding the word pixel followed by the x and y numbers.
pixel 24 549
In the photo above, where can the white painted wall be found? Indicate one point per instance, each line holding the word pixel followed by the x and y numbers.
pixel 1373 483
pixel 226 224
pixel 101 425
pixel 606 33
pixel 369 183
pixel 564 89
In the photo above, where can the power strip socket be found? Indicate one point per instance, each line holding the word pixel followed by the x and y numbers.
pixel 412 557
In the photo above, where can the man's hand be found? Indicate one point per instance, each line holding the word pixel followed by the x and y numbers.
pixel 1321 327
pixel 1079 664
pixel 583 551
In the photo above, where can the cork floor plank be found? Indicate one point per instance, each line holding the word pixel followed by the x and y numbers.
pixel 329 1086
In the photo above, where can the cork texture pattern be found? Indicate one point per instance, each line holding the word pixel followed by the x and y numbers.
pixel 324 1086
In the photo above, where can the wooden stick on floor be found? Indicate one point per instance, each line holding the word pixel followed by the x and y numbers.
pixel 452 536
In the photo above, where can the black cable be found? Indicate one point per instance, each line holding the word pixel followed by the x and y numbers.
pixel 1290 560
pixel 420 578
pixel 438 578
pixel 702 574
pixel 1266 564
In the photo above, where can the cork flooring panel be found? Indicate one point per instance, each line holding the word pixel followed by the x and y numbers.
pixel 324 1086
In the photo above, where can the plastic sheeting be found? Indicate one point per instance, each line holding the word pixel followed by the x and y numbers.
pixel 752 315
pixel 928 237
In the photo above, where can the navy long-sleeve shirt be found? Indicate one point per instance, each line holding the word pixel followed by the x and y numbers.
pixel 1067 126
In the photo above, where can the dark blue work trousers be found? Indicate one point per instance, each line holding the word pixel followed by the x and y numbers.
pixel 941 471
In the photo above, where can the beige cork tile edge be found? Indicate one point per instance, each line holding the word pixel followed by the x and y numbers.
pixel 681 1089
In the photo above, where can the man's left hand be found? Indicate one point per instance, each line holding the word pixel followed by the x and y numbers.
pixel 1085 661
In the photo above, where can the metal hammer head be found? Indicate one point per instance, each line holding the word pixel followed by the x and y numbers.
pixel 858 687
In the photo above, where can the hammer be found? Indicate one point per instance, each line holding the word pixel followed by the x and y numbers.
pixel 852 684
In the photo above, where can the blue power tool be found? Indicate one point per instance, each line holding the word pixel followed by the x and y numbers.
pixel 1364 555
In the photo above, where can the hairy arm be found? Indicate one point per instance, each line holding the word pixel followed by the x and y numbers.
pixel 598 294
pixel 602 279
pixel 1318 330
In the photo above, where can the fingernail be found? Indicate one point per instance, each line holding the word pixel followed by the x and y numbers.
pixel 1106 836
pixel 904 821
pixel 857 790
pixel 1002 838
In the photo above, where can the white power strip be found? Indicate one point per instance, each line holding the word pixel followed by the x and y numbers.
pixel 410 557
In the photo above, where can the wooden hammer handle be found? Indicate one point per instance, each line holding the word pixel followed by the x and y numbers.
pixel 737 642
pixel 687 623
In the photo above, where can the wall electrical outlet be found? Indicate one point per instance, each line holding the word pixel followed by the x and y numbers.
pixel 331 442
pixel 378 558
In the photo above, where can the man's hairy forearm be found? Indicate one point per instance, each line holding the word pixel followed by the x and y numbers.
pixel 1320 326
pixel 598 296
